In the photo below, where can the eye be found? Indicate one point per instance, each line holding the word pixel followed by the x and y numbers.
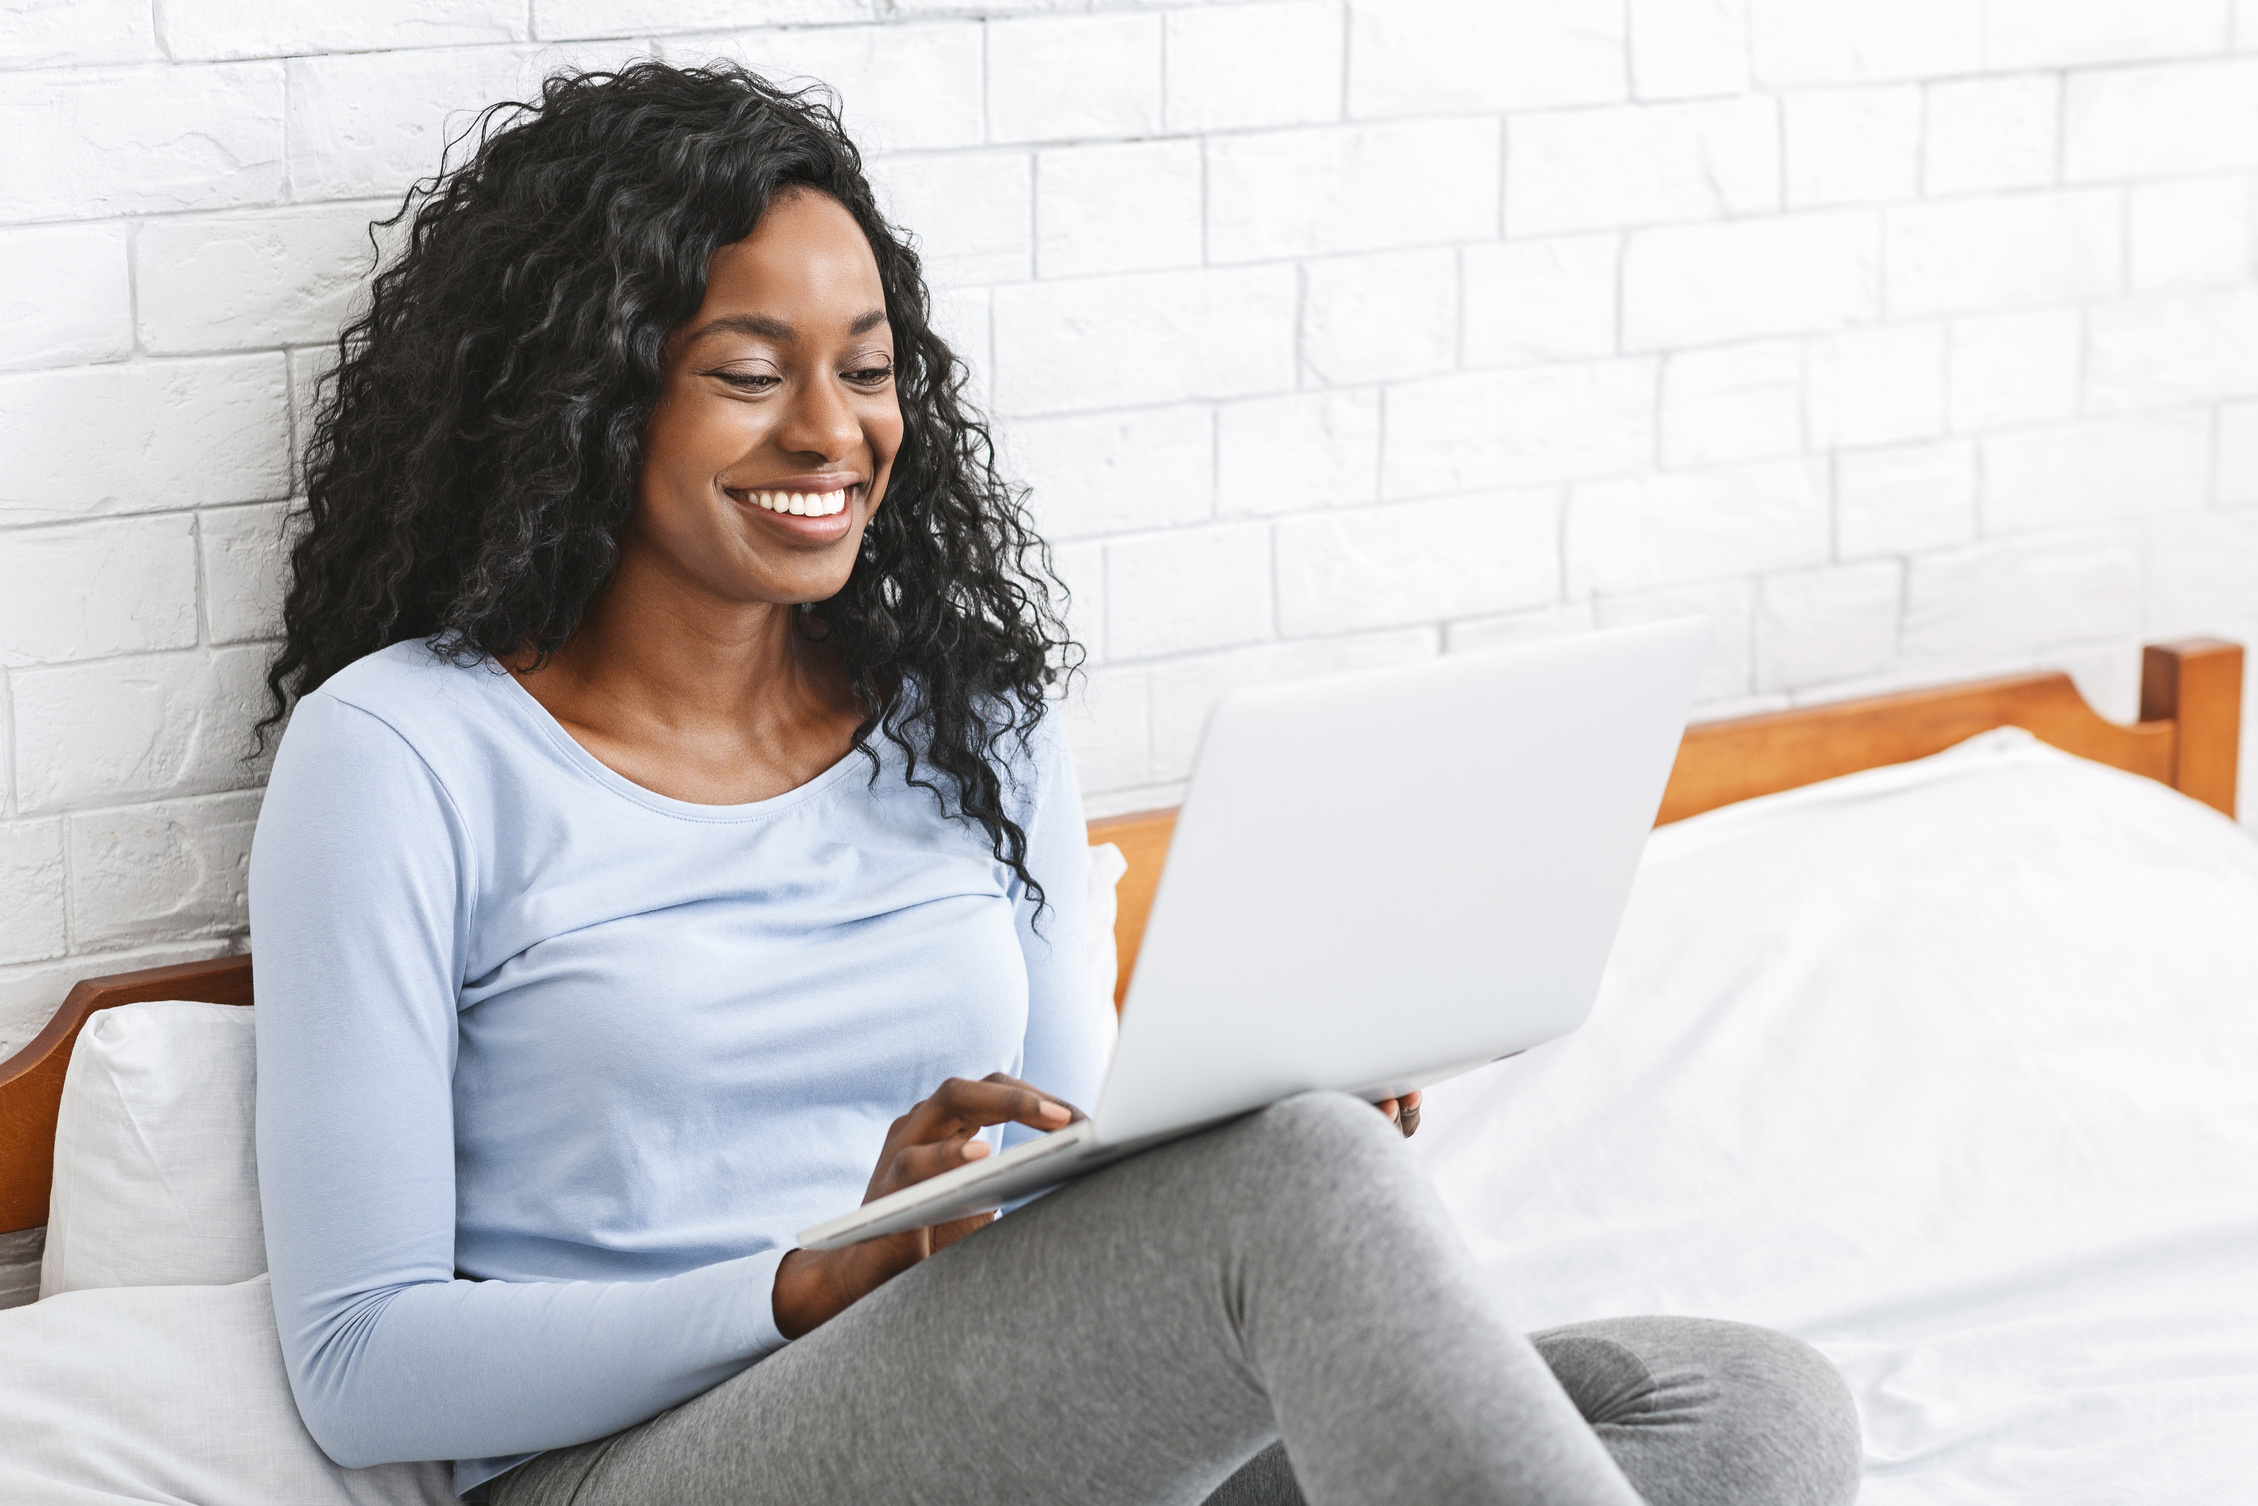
pixel 747 381
pixel 871 376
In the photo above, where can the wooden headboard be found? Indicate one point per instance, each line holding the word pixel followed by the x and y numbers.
pixel 2187 737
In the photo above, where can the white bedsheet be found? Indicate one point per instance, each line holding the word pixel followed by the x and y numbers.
pixel 1951 1069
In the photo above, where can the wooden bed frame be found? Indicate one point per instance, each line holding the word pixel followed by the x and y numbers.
pixel 2187 737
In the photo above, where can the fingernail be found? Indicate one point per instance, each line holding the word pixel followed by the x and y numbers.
pixel 975 1149
pixel 1051 1110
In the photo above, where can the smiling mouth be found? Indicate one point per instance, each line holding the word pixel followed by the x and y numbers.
pixel 799 504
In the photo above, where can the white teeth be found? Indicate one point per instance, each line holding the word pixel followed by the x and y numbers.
pixel 801 504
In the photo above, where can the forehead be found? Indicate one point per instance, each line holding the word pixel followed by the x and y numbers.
pixel 806 261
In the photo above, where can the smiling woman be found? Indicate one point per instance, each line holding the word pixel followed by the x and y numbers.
pixel 643 512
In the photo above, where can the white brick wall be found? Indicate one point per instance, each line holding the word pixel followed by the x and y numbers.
pixel 1903 339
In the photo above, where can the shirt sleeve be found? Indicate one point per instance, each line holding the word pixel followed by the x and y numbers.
pixel 1064 1052
pixel 363 881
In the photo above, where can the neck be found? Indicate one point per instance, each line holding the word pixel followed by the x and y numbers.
pixel 654 652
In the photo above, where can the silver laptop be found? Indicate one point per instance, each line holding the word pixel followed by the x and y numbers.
pixel 1377 881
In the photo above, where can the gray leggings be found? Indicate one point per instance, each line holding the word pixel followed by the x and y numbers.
pixel 1152 1333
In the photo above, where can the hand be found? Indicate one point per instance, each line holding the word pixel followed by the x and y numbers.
pixel 935 1136
pixel 1402 1112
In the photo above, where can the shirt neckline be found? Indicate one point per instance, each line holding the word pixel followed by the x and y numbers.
pixel 619 784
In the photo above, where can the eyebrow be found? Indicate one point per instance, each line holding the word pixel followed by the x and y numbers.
pixel 768 327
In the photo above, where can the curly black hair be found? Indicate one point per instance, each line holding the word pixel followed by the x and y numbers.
pixel 473 460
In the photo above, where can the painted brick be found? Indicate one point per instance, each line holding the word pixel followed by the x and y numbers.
pixel 1313 192
pixel 2015 368
pixel 136 729
pixel 1154 337
pixel 1379 317
pixel 1640 165
pixel 2193 233
pixel 1990 133
pixel 1987 254
pixel 246 563
pixel 65 296
pixel 1187 590
pixel 1425 57
pixel 1211 87
pixel 1734 402
pixel 1185 691
pixel 2170 349
pixel 971 212
pixel 1507 629
pixel 1664 530
pixel 2200 570
pixel 1127 208
pixel 1727 606
pixel 1544 300
pixel 1481 431
pixel 90 590
pixel 1705 284
pixel 898 86
pixel 141 437
pixel 1875 386
pixel 1683 48
pixel 1813 626
pixel 246 280
pixel 555 19
pixel 367 124
pixel 2068 33
pixel 1108 723
pixel 2096 471
pixel 1074 78
pixel 2009 594
pixel 1904 499
pixel 30 994
pixel 1798 42
pixel 1852 146
pixel 92 142
pixel 1412 562
pixel 306 373
pixel 1117 472
pixel 2236 484
pixel 7 749
pixel 33 923
pixel 2175 118
pixel 229 29
pixel 77 33
pixel 177 869
pixel 1293 453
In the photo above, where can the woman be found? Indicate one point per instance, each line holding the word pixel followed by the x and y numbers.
pixel 669 830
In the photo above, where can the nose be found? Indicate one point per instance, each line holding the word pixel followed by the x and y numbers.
pixel 820 422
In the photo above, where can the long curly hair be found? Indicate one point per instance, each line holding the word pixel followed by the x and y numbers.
pixel 472 463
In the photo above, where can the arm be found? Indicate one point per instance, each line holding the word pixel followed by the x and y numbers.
pixel 1064 1052
pixel 362 884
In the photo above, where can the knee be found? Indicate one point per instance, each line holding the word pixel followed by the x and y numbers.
pixel 1721 1411
pixel 1326 1133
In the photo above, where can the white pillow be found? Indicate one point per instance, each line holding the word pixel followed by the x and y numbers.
pixel 1107 865
pixel 172 1394
pixel 156 1180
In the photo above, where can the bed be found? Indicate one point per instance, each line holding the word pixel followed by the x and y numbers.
pixel 1801 1102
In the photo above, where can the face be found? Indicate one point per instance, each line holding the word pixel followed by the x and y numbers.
pixel 777 422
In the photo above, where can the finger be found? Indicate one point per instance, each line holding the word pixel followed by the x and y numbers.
pixel 917 1163
pixel 959 1105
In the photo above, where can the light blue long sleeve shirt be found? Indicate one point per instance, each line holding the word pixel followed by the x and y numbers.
pixel 552 1067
